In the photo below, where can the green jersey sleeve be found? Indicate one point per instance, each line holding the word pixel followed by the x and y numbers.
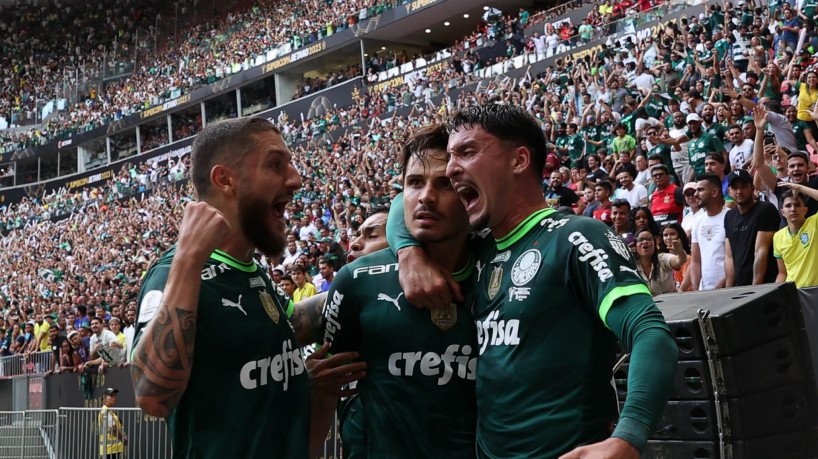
pixel 340 326
pixel 397 234
pixel 601 265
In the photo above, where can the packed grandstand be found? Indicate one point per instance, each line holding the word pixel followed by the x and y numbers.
pixel 642 103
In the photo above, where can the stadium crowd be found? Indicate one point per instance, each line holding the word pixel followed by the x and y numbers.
pixel 53 59
pixel 688 143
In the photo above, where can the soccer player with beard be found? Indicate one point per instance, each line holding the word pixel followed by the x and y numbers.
pixel 247 397
pixel 552 293
pixel 418 397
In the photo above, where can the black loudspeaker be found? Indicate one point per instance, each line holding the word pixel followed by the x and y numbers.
pixel 781 361
pixel 777 411
pixel 742 317
pixel 760 364
pixel 795 445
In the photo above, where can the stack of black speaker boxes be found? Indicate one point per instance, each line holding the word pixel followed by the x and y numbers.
pixel 744 385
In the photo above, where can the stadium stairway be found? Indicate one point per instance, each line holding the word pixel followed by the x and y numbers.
pixel 23 439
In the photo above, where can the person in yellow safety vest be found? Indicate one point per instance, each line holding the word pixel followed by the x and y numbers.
pixel 112 437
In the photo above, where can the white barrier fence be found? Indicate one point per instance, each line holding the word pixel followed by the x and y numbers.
pixel 28 434
pixel 76 433
pixel 25 364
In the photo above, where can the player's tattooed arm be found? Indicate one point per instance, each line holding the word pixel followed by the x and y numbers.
pixel 307 317
pixel 163 357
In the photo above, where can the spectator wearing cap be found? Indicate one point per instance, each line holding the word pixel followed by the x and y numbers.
pixel 667 200
pixel 333 251
pixel 75 337
pixel 707 271
pixel 701 145
pixel 750 228
pixel 106 349
pixel 692 209
pixel 112 436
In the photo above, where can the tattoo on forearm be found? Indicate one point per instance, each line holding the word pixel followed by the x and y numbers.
pixel 307 317
pixel 163 360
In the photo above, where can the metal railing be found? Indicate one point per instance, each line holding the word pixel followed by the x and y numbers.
pixel 83 434
pixel 29 434
pixel 25 364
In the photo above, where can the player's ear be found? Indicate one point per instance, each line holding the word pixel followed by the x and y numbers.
pixel 522 159
pixel 223 179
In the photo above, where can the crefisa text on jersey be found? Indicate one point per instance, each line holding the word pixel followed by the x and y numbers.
pixel 594 256
pixel 279 368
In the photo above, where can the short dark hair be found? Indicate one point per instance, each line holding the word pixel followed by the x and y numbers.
pixel 287 277
pixel 96 318
pixel 605 184
pixel 432 137
pixel 798 154
pixel 226 141
pixel 656 157
pixel 298 268
pixel 508 123
pixel 712 179
pixel 790 193
pixel 325 260
pixel 621 203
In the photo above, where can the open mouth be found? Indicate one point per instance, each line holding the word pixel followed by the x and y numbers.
pixel 468 195
pixel 278 209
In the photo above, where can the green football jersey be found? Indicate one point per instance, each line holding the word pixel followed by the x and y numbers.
pixel 800 138
pixel 417 399
pixel 541 295
pixel 248 394
pixel 698 149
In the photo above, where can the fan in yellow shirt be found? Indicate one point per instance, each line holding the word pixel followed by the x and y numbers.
pixel 794 246
pixel 303 289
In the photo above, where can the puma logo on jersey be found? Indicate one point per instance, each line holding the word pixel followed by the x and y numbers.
pixel 630 270
pixel 230 304
pixel 385 297
pixel 479 266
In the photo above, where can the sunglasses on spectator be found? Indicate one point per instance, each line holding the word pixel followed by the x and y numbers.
pixel 657 174
pixel 644 239
pixel 690 193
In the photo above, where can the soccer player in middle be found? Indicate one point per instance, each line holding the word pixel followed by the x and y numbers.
pixel 418 397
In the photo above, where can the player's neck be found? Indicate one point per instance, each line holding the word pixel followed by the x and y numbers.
pixel 451 254
pixel 237 246
pixel 516 214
